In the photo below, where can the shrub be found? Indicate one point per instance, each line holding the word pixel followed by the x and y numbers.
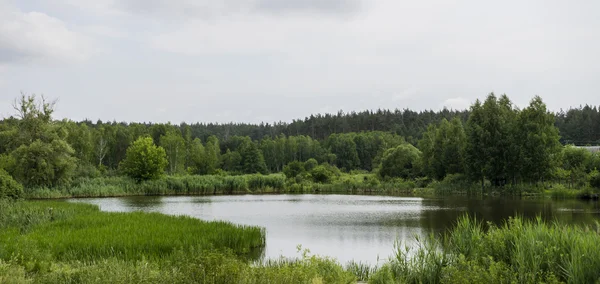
pixel 9 188
pixel 310 164
pixel 321 174
pixel 291 170
pixel 399 162
pixel 144 160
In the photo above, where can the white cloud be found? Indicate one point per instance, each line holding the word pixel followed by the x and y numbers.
pixel 33 36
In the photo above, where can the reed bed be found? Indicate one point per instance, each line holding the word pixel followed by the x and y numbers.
pixel 76 243
pixel 168 185
pixel 517 252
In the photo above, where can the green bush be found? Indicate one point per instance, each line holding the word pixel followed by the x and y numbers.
pixel 9 188
pixel 321 174
pixel 400 162
pixel 144 160
pixel 310 164
pixel 291 170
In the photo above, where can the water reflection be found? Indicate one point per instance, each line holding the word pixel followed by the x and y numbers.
pixel 349 227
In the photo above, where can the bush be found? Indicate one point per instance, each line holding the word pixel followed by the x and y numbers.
pixel 291 170
pixel 321 174
pixel 9 188
pixel 399 162
pixel 144 160
pixel 310 164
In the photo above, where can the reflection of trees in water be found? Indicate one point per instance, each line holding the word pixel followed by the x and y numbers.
pixel 498 210
pixel 144 203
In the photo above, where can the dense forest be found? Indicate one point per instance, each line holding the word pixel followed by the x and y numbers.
pixel 493 141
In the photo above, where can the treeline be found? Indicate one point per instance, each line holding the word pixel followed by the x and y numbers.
pixel 492 142
pixel 504 145
pixel 579 126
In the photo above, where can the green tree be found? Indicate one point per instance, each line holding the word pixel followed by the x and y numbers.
pixel 344 149
pixel 231 161
pixel 475 152
pixel 539 141
pixel 574 161
pixel 252 158
pixel 197 157
pixel 44 164
pixel 144 160
pixel 213 154
pixel 401 162
pixel 175 149
pixel 426 146
pixel 39 151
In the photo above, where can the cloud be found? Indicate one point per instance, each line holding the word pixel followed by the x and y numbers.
pixel 213 10
pixel 303 6
pixel 34 36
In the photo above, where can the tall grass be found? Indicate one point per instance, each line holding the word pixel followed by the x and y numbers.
pixel 91 234
pixel 76 243
pixel 169 185
pixel 517 252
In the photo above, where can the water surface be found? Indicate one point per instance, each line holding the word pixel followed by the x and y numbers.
pixel 348 227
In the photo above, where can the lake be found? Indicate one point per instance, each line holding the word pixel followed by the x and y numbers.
pixel 349 227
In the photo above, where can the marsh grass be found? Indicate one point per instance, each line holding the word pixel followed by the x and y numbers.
pixel 38 234
pixel 517 252
pixel 168 185
pixel 76 243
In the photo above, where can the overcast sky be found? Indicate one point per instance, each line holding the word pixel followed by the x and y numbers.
pixel 271 60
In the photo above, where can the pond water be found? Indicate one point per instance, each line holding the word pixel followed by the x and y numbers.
pixel 349 227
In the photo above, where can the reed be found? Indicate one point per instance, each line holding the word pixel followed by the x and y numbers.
pixel 517 252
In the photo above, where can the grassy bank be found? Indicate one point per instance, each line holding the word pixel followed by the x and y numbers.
pixel 217 184
pixel 517 252
pixel 59 242
pixel 346 183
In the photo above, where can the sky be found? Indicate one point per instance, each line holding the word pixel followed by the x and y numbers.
pixel 278 60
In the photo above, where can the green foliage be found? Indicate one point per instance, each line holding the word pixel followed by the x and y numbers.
pixel 252 160
pixel 344 148
pixel 144 160
pixel 517 252
pixel 44 163
pixel 75 243
pixel 213 155
pixel 9 188
pixel 400 162
pixel 175 150
pixel 443 149
pixel 231 161
pixel 322 174
pixel 538 139
pixel 293 169
pixel 310 164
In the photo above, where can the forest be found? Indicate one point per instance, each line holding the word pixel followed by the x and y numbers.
pixel 494 144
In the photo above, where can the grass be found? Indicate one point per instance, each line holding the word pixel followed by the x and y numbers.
pixel 60 242
pixel 517 252
pixel 168 185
